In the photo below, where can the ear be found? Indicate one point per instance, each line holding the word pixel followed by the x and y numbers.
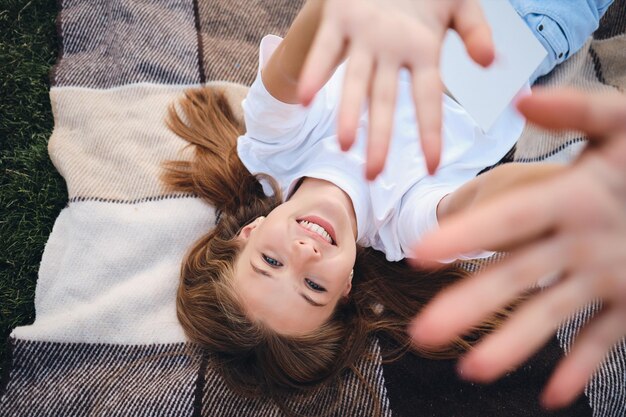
pixel 245 232
pixel 348 289
pixel 349 284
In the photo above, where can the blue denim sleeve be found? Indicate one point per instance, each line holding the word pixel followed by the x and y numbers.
pixel 562 26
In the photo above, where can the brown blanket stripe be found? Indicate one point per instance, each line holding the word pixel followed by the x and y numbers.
pixel 553 152
pixel 135 201
pixel 112 43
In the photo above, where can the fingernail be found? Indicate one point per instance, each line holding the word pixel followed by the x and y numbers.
pixel 421 263
pixel 413 331
pixel 415 262
pixel 552 400
pixel 547 403
pixel 470 370
pixel 460 369
pixel 306 99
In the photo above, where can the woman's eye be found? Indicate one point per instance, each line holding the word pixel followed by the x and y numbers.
pixel 314 286
pixel 271 261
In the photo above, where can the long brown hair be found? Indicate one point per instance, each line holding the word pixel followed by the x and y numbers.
pixel 253 359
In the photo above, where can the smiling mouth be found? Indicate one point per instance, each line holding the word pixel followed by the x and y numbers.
pixel 317 229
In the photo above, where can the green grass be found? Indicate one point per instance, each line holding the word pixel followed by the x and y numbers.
pixel 32 193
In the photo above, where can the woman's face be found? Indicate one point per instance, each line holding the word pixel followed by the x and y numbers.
pixel 296 263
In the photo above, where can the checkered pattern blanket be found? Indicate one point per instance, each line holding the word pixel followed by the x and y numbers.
pixel 106 340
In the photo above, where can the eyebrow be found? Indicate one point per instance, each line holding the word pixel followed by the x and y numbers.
pixel 267 274
pixel 260 271
pixel 310 301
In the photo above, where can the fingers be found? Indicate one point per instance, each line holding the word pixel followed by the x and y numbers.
pixel 470 23
pixel 427 96
pixel 526 331
pixel 472 300
pixel 325 53
pixel 356 85
pixel 382 106
pixel 514 218
pixel 596 114
pixel 588 351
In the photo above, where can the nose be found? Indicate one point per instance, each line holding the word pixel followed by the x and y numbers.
pixel 306 249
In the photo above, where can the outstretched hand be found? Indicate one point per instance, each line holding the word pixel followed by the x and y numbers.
pixel 380 37
pixel 572 226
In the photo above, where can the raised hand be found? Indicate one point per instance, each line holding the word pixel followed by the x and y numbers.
pixel 380 37
pixel 572 226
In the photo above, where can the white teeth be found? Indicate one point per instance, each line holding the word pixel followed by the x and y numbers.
pixel 316 228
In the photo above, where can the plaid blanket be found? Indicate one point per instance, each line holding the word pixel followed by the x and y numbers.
pixel 106 340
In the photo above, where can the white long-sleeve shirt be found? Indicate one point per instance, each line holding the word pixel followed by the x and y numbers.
pixel 290 141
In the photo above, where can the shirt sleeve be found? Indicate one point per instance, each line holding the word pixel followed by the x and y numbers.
pixel 418 215
pixel 269 121
pixel 562 27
